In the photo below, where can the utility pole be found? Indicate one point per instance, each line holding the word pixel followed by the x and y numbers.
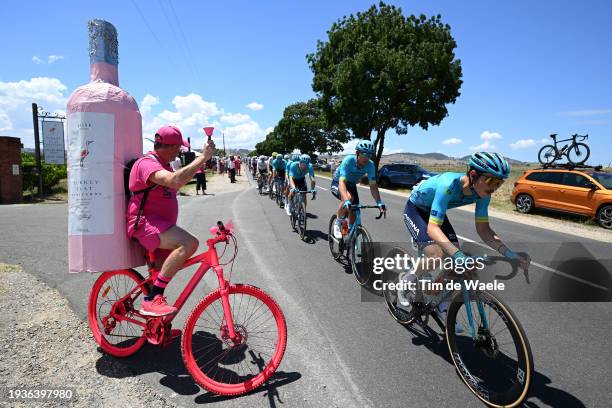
pixel 223 143
pixel 37 149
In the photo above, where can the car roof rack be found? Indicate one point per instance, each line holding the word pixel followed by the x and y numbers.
pixel 571 166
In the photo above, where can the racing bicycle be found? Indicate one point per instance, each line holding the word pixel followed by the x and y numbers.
pixel 298 216
pixel 493 358
pixel 356 242
pixel 233 340
pixel 576 152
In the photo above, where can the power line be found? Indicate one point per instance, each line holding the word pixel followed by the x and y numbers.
pixel 186 43
pixel 153 33
pixel 171 25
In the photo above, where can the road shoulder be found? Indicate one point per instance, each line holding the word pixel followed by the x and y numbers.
pixel 46 345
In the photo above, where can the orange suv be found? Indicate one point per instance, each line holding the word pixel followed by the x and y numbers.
pixel 586 192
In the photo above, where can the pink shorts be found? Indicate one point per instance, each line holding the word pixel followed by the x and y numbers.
pixel 149 228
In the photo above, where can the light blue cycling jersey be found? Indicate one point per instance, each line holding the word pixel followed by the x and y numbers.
pixel 279 164
pixel 349 171
pixel 442 192
pixel 295 171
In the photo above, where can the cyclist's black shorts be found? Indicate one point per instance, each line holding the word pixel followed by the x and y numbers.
pixel 280 174
pixel 350 187
pixel 300 184
pixel 416 220
pixel 263 172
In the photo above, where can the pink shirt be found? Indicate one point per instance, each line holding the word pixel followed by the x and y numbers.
pixel 161 201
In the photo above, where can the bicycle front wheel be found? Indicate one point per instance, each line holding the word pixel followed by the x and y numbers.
pixel 359 254
pixel 336 245
pixel 228 367
pixel 111 303
pixel 301 220
pixel 547 154
pixel 497 366
pixel 578 153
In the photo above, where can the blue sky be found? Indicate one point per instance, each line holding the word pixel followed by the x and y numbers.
pixel 530 68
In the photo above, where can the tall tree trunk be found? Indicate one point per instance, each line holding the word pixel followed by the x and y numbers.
pixel 379 145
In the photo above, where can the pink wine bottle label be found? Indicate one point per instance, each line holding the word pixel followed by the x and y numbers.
pixel 104 132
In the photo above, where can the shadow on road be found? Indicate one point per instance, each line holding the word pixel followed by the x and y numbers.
pixel 169 363
pixel 540 389
pixel 313 236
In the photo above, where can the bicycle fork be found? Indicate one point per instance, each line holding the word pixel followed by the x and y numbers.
pixel 468 310
pixel 228 331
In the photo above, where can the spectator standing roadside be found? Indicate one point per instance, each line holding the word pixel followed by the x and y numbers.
pixel 232 169
pixel 201 179
pixel 238 164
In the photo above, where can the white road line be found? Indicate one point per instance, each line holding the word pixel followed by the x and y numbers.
pixel 546 268
pixel 321 188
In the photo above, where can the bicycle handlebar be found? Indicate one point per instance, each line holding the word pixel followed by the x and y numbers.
pixel 360 206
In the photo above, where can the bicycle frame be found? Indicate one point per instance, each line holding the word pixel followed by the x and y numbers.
pixel 445 294
pixel 565 148
pixel 208 260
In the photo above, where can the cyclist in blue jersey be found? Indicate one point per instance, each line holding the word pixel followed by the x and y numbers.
pixel 297 178
pixel 278 168
pixel 346 177
pixel 427 222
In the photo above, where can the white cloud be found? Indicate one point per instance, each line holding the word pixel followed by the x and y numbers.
pixel 52 58
pixel 191 113
pixel 16 104
pixel 487 137
pixel 235 118
pixel 545 141
pixel 36 60
pixel 452 141
pixel 349 147
pixel 5 122
pixel 523 144
pixel 587 112
pixel 149 100
pixel 244 135
pixel 193 103
pixel 255 106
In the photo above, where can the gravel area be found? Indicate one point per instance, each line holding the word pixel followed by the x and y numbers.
pixel 44 344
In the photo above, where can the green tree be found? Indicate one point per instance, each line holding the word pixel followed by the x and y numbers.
pixel 304 127
pixel 272 143
pixel 380 70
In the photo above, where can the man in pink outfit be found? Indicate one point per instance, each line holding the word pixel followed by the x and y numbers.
pixel 156 228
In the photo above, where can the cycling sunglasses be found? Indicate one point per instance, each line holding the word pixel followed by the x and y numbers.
pixel 366 155
pixel 493 182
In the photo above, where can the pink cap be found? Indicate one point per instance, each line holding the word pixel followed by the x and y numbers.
pixel 170 135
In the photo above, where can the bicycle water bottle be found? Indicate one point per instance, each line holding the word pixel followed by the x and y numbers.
pixel 104 132
pixel 344 227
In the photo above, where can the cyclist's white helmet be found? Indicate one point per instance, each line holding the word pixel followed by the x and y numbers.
pixel 262 157
pixel 287 157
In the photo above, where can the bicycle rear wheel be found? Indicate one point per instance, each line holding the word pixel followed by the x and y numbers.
pixel 112 300
pixel 547 154
pixel 215 361
pixel 578 153
pixel 301 220
pixel 361 262
pixel 498 365
pixel 336 245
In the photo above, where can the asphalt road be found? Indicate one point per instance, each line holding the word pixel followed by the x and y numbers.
pixel 341 350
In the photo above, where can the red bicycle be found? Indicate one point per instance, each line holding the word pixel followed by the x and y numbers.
pixel 233 340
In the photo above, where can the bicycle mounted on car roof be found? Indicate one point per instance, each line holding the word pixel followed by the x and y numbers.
pixel 575 152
